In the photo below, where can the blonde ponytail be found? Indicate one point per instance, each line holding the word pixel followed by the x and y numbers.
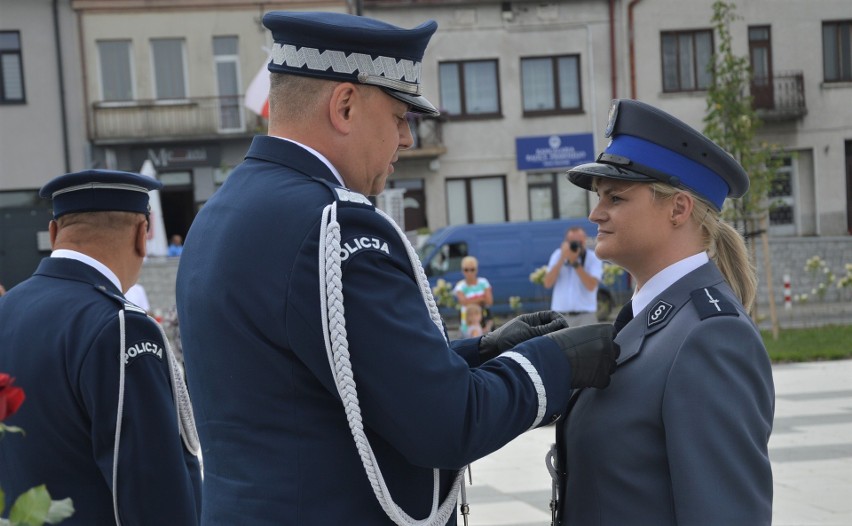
pixel 723 243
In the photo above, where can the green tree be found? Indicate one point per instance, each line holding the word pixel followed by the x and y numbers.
pixel 733 124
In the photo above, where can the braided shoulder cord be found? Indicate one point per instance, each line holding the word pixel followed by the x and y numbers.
pixel 337 349
pixel 180 394
pixel 118 416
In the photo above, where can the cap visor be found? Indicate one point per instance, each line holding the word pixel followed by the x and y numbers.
pixel 583 175
pixel 418 103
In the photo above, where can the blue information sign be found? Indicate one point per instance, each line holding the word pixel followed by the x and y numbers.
pixel 554 151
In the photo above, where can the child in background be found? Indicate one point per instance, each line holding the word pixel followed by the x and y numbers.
pixel 472 322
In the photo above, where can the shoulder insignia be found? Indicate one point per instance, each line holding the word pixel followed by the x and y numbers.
pixel 143 348
pixel 121 300
pixel 355 244
pixel 659 312
pixel 709 302
pixel 344 195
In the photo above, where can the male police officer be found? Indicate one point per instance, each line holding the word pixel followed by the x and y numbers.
pixel 294 293
pixel 100 416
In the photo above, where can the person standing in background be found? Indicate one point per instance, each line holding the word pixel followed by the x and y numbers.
pixel 175 246
pixel 473 290
pixel 574 274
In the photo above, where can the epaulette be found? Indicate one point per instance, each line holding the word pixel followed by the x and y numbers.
pixel 710 302
pixel 345 196
pixel 121 300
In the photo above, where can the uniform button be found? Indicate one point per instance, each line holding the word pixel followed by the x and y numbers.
pixel 555 417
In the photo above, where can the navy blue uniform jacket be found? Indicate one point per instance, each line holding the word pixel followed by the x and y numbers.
pixel 274 436
pixel 60 339
pixel 680 438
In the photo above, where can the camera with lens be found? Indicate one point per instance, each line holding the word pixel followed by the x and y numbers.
pixel 574 245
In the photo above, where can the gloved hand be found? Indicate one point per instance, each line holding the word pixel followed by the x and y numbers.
pixel 519 330
pixel 591 351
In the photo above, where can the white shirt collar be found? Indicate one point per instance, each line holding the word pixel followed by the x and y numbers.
pixel 88 260
pixel 319 156
pixel 666 278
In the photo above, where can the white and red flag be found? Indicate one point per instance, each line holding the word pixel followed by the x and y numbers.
pixel 257 94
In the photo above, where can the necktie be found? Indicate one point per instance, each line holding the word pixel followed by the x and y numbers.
pixel 624 317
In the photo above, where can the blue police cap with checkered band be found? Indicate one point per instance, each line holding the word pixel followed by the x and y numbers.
pixel 99 191
pixel 351 48
pixel 647 144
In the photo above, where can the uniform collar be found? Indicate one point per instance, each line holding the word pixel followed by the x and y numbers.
pixel 654 316
pixel 665 279
pixel 88 260
pixel 319 156
pixel 292 155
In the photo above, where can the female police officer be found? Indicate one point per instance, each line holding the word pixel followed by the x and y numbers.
pixel 681 435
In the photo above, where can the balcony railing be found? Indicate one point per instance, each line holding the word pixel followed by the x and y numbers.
pixel 153 120
pixel 426 132
pixel 781 97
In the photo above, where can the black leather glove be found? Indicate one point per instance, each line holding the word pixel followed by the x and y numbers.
pixel 591 351
pixel 519 330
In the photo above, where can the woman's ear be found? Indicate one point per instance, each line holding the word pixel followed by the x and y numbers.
pixel 682 205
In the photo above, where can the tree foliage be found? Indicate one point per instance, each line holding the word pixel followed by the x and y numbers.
pixel 733 124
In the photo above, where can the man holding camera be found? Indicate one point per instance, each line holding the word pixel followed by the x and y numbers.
pixel 574 274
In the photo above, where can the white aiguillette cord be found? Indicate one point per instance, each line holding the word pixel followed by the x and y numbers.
pixel 183 407
pixel 337 348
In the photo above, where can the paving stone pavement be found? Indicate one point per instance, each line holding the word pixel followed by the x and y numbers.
pixel 810 450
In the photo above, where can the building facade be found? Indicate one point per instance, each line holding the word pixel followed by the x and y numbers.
pixel 524 88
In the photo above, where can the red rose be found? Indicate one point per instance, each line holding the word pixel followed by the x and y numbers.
pixel 11 398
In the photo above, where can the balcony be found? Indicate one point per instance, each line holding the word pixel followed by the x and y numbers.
pixel 780 97
pixel 167 120
pixel 426 132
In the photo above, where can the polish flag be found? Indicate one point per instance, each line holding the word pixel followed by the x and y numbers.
pixel 257 94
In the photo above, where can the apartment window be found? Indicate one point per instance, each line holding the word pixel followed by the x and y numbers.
pixel 552 196
pixel 837 51
pixel 476 200
pixel 228 83
pixel 551 84
pixel 687 58
pixel 116 70
pixel 470 89
pixel 169 72
pixel 11 68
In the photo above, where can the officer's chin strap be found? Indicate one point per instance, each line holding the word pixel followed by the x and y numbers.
pixel 550 461
pixel 337 348
pixel 183 408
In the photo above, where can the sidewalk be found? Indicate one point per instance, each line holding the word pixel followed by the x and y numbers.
pixel 810 449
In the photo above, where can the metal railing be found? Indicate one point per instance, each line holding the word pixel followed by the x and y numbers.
pixel 786 97
pixel 426 132
pixel 167 119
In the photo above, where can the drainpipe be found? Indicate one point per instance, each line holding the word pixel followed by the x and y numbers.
pixel 62 110
pixel 630 33
pixel 613 70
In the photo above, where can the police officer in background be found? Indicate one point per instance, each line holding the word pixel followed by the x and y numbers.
pixel 574 274
pixel 100 417
pixel 325 387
